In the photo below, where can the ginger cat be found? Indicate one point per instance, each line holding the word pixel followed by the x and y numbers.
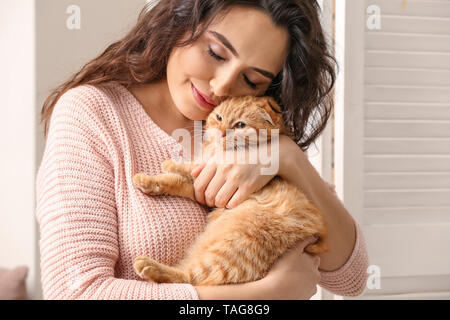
pixel 240 244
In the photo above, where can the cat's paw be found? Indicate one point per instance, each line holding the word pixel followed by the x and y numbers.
pixel 146 268
pixel 140 263
pixel 168 166
pixel 146 184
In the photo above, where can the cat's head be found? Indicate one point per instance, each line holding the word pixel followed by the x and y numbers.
pixel 244 114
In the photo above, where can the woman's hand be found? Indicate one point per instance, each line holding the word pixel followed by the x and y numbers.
pixel 295 275
pixel 227 185
pixel 220 184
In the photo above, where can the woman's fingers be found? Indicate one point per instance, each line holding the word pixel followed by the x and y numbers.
pixel 197 169
pixel 306 242
pixel 316 267
pixel 316 260
pixel 225 193
pixel 203 180
pixel 240 195
pixel 213 188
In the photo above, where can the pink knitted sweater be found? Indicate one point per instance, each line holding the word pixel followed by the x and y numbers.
pixel 93 222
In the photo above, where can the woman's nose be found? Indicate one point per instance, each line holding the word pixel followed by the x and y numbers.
pixel 221 87
pixel 222 83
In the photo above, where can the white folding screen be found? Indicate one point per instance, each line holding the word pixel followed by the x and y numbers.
pixel 393 138
pixel 320 153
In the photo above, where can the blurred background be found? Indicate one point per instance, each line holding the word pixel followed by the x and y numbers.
pixel 386 148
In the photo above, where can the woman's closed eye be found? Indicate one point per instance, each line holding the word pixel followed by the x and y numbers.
pixel 214 55
pixel 219 58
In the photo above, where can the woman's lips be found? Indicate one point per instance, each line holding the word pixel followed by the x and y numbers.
pixel 201 99
pixel 207 99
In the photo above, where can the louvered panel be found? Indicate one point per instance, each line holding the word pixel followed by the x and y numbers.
pixel 405 180
pixel 407 41
pixel 407 128
pixel 404 250
pixel 407 163
pixel 420 8
pixel 405 76
pixel 414 24
pixel 407 146
pixel 407 111
pixel 407 215
pixel 406 197
pixel 389 93
pixel 407 59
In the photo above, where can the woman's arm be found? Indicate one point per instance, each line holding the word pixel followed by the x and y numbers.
pixel 255 290
pixel 76 210
pixel 341 229
pixel 343 267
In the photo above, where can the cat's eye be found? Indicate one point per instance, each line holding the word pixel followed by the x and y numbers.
pixel 219 117
pixel 239 125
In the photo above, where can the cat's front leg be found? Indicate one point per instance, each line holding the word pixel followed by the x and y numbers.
pixel 147 184
pixel 165 183
pixel 181 168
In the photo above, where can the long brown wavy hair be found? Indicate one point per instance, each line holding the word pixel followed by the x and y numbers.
pixel 302 88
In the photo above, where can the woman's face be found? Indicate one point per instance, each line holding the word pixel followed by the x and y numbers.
pixel 237 55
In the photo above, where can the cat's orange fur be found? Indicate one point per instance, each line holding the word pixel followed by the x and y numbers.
pixel 239 244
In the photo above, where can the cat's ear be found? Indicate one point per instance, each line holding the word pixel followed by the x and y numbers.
pixel 266 116
pixel 274 105
pixel 271 111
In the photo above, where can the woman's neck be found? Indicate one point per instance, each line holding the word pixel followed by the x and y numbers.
pixel 157 102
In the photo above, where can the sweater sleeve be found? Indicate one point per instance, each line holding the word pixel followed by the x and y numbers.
pixel 76 211
pixel 351 278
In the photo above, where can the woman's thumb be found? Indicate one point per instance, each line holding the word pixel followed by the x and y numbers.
pixel 307 241
pixel 197 169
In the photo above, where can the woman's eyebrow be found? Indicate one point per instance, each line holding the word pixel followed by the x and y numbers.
pixel 227 44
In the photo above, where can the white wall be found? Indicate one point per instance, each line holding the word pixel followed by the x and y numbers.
pixel 37 53
pixel 17 136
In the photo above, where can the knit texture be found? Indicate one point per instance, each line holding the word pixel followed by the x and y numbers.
pixel 93 222
pixel 351 278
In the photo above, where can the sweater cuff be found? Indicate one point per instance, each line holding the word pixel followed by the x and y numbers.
pixel 351 278
pixel 175 291
pixel 193 292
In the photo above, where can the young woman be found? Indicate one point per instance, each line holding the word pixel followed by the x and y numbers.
pixel 115 117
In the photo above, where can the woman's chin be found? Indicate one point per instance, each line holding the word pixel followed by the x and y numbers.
pixel 197 115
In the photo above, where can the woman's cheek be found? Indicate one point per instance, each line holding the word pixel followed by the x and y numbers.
pixel 196 64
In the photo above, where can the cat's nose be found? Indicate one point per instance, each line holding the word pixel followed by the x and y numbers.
pixel 224 133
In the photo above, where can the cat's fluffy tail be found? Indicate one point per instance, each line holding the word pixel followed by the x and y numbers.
pixel 152 270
